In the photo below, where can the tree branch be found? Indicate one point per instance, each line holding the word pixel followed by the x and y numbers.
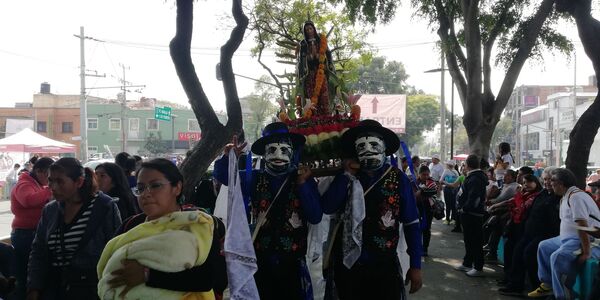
pixel 586 128
pixel 527 43
pixel 455 55
pixel 180 54
pixel 232 101
pixel 261 47
pixel 473 45
pixel 489 44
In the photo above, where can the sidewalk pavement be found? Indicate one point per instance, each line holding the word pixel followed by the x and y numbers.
pixel 440 280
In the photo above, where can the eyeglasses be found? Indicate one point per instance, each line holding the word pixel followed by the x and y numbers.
pixel 152 188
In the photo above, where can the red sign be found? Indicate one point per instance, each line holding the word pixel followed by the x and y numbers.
pixel 189 136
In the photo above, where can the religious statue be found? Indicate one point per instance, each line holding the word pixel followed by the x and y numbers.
pixel 314 66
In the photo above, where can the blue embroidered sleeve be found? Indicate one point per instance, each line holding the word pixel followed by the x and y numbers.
pixel 334 197
pixel 220 171
pixel 410 220
pixel 311 206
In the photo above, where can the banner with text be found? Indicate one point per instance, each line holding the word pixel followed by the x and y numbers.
pixel 389 110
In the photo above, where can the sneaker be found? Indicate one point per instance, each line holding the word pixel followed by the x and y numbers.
pixel 543 290
pixel 509 291
pixel 452 222
pixel 446 222
pixel 475 273
pixel 462 268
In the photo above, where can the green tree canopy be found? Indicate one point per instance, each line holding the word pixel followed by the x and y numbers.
pixel 474 35
pixel 381 77
pixel 278 25
pixel 422 114
pixel 261 107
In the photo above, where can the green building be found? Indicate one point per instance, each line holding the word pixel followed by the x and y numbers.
pixel 113 128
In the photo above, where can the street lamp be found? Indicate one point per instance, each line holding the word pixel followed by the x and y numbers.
pixel 443 113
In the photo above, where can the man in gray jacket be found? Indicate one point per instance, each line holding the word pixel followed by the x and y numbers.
pixel 508 191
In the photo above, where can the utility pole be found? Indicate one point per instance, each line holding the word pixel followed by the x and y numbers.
pixel 452 122
pixel 442 114
pixel 173 133
pixel 574 87
pixel 123 111
pixel 82 104
pixel 82 98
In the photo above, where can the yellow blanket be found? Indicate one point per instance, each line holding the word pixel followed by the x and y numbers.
pixel 172 243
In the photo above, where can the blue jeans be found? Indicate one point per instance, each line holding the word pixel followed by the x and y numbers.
pixel 557 265
pixel 21 240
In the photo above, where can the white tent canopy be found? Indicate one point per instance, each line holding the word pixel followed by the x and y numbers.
pixel 29 141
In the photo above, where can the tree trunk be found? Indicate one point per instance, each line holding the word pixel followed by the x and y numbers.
pixel 583 134
pixel 480 139
pixel 214 135
pixel 471 73
pixel 581 139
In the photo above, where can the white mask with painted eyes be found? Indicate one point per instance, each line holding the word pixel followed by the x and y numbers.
pixel 370 151
pixel 278 156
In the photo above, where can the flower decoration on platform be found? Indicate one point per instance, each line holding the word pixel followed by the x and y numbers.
pixel 322 134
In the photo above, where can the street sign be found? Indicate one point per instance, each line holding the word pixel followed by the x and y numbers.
pixel 162 113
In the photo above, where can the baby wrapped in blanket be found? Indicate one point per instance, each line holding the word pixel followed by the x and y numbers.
pixel 172 243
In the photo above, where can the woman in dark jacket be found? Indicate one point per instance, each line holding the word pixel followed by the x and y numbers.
pixel 113 182
pixel 71 235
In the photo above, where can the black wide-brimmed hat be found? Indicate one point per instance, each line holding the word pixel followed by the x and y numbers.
pixel 392 142
pixel 275 132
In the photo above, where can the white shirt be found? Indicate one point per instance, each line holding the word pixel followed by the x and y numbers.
pixel 576 205
pixel 507 158
pixel 436 171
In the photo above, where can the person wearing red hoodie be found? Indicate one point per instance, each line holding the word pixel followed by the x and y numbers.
pixel 27 199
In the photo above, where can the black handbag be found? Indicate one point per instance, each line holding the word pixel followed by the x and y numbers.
pixel 439 208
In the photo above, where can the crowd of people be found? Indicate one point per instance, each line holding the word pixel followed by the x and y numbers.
pixel 547 225
pixel 80 233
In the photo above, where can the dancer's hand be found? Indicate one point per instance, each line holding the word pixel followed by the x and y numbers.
pixel 416 281
pixel 304 173
pixel 234 145
pixel 351 166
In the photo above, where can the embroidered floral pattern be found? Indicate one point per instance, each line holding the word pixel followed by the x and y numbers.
pixel 285 230
pixel 383 205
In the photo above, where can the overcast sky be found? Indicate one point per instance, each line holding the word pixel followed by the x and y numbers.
pixel 38 46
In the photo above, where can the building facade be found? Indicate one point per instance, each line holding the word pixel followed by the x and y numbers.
pixel 530 97
pixel 545 129
pixel 112 125
pixel 112 129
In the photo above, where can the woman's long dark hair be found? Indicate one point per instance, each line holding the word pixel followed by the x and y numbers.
pixel 120 189
pixel 533 178
pixel 73 169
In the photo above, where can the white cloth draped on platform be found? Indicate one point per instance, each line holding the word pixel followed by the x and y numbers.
pixel 354 215
pixel 239 250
